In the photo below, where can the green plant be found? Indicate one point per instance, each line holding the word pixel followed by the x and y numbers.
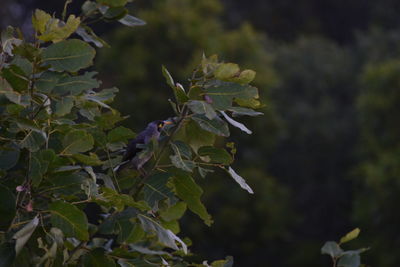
pixel 340 257
pixel 60 142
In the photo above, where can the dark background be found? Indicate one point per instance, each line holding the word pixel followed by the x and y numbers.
pixel 325 157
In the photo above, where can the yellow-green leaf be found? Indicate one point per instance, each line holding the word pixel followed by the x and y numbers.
pixel 39 20
pixel 52 29
pixel 226 71
pixel 350 236
pixel 245 77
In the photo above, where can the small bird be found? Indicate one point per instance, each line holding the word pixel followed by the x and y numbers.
pixel 152 131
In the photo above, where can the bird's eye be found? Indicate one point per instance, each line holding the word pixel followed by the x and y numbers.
pixel 160 125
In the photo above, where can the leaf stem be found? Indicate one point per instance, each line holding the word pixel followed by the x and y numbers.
pixel 64 13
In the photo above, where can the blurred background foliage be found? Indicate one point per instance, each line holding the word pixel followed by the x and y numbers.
pixel 324 158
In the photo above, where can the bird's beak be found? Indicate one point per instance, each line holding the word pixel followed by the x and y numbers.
pixel 168 122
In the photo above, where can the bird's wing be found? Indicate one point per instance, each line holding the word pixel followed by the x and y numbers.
pixel 131 149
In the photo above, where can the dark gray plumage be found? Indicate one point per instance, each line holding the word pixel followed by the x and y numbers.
pixel 153 130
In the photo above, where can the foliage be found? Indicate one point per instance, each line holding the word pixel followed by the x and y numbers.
pixel 341 258
pixel 61 141
pixel 378 171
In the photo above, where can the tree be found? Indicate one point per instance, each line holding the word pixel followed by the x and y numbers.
pixel 61 141
pixel 378 171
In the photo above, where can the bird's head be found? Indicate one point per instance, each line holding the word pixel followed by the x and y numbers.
pixel 159 124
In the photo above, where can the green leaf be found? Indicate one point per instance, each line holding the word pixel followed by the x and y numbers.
pixel 196 93
pixel 70 55
pixel 179 162
pixel 349 260
pixel 202 107
pixel 39 164
pixel 13 96
pixel 331 248
pixel 14 109
pixel 27 124
pixel 91 160
pixel 71 220
pixel 9 157
pixel 237 124
pixel 165 236
pixel 89 7
pixel 239 111
pixel 168 77
pixel 179 92
pixel 97 258
pixel 119 201
pixel 7 207
pixel 75 85
pixel 226 71
pixel 350 236
pixel 119 223
pixel 25 65
pixel 113 3
pixel 196 137
pixel 108 120
pixel 48 81
pixel 77 141
pixel 174 212
pixel 187 190
pixel 23 235
pixel 135 263
pixel 181 149
pixel 106 95
pixel 32 141
pixel 120 134
pixel 66 183
pixel 135 235
pixel 245 77
pixel 88 35
pixel 228 262
pixel 240 180
pixel 216 155
pixel 145 250
pixel 182 156
pixel 216 125
pixel 223 93
pixel 155 189
pixel 15 76
pixel 113 13
pixel 64 106
pixel 131 21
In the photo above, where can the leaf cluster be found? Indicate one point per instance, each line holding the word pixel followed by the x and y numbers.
pixel 63 201
pixel 340 257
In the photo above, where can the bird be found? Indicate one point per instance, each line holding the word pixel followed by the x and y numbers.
pixel 135 146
